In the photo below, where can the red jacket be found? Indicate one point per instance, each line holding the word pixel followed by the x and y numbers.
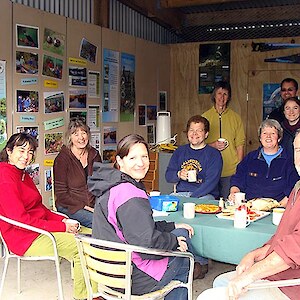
pixel 21 201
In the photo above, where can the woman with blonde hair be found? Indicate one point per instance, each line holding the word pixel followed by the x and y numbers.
pixel 72 166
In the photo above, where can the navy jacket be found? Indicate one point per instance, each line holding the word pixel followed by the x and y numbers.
pixel 255 178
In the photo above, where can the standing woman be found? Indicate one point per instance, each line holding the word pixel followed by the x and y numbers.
pixel 290 123
pixel 123 214
pixel 72 166
pixel 226 124
pixel 21 201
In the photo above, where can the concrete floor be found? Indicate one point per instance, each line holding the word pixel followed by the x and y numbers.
pixel 38 280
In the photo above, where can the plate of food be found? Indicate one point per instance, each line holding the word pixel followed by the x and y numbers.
pixel 207 208
pixel 262 204
pixel 253 215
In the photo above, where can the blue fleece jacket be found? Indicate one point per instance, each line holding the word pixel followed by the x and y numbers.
pixel 255 178
pixel 206 161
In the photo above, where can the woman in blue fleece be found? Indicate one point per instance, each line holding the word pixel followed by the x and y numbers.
pixel 204 159
pixel 123 214
pixel 267 172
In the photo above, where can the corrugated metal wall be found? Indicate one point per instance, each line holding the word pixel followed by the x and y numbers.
pixel 81 10
pixel 126 20
pixel 121 17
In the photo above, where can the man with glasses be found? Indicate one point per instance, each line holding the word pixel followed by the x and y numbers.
pixel 195 168
pixel 288 88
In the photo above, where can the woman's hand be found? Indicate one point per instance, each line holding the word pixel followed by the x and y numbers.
pixel 71 228
pixel 182 244
pixel 89 208
pixel 189 228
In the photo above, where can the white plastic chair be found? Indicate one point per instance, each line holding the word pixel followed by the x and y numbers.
pixel 109 264
pixel 9 255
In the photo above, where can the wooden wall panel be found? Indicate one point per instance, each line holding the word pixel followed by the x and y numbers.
pixel 244 63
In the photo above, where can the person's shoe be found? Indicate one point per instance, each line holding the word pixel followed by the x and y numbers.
pixel 204 268
pixel 199 271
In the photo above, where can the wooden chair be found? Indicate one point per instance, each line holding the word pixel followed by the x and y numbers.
pixel 9 255
pixel 151 180
pixel 109 264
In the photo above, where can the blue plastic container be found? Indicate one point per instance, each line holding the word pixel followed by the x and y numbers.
pixel 164 202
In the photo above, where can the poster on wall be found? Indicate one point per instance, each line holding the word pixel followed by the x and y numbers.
pixel 77 98
pixel 109 154
pixel 111 80
pixel 53 142
pixel 127 87
pixel 95 140
pixel 88 51
pixel 27 101
pixel 79 114
pixel 54 42
pixel 27 36
pixel 142 114
pixel 162 101
pixel 27 63
pixel 52 66
pixel 94 117
pixel 54 101
pixel 31 130
pixel 3 119
pixel 109 135
pixel 77 76
pixel 34 172
pixel 93 84
pixel 214 65
pixel 271 98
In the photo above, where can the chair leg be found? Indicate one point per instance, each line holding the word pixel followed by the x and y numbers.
pixel 19 274
pixel 5 267
pixel 59 283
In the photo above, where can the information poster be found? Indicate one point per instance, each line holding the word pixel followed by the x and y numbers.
pixel 271 98
pixel 111 79
pixel 214 65
pixel 127 87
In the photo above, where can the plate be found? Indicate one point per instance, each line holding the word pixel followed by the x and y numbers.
pixel 207 209
pixel 259 215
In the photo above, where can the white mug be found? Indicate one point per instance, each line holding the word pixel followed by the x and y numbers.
pixel 189 210
pixel 277 215
pixel 192 176
pixel 239 197
pixel 241 219
pixel 73 222
pixel 222 140
pixel 154 193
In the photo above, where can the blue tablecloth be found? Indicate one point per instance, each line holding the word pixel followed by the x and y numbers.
pixel 217 238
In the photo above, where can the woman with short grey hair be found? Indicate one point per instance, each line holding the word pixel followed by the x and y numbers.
pixel 267 172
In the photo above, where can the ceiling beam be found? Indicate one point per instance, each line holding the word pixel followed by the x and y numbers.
pixel 149 8
pixel 183 3
pixel 243 16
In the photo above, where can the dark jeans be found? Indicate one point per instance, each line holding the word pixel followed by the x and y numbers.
pixel 83 216
pixel 178 269
pixel 224 187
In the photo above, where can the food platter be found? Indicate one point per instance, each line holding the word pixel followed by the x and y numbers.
pixel 253 215
pixel 207 209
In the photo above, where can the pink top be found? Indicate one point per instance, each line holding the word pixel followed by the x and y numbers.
pixel 286 243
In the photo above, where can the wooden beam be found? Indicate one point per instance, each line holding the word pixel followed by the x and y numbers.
pixel 168 17
pixel 243 16
pixel 183 3
pixel 101 13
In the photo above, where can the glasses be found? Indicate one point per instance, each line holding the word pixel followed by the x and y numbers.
pixel 197 131
pixel 290 89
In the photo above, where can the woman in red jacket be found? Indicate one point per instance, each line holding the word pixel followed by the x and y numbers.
pixel 21 201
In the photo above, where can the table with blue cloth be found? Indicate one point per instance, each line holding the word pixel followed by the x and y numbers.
pixel 217 239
